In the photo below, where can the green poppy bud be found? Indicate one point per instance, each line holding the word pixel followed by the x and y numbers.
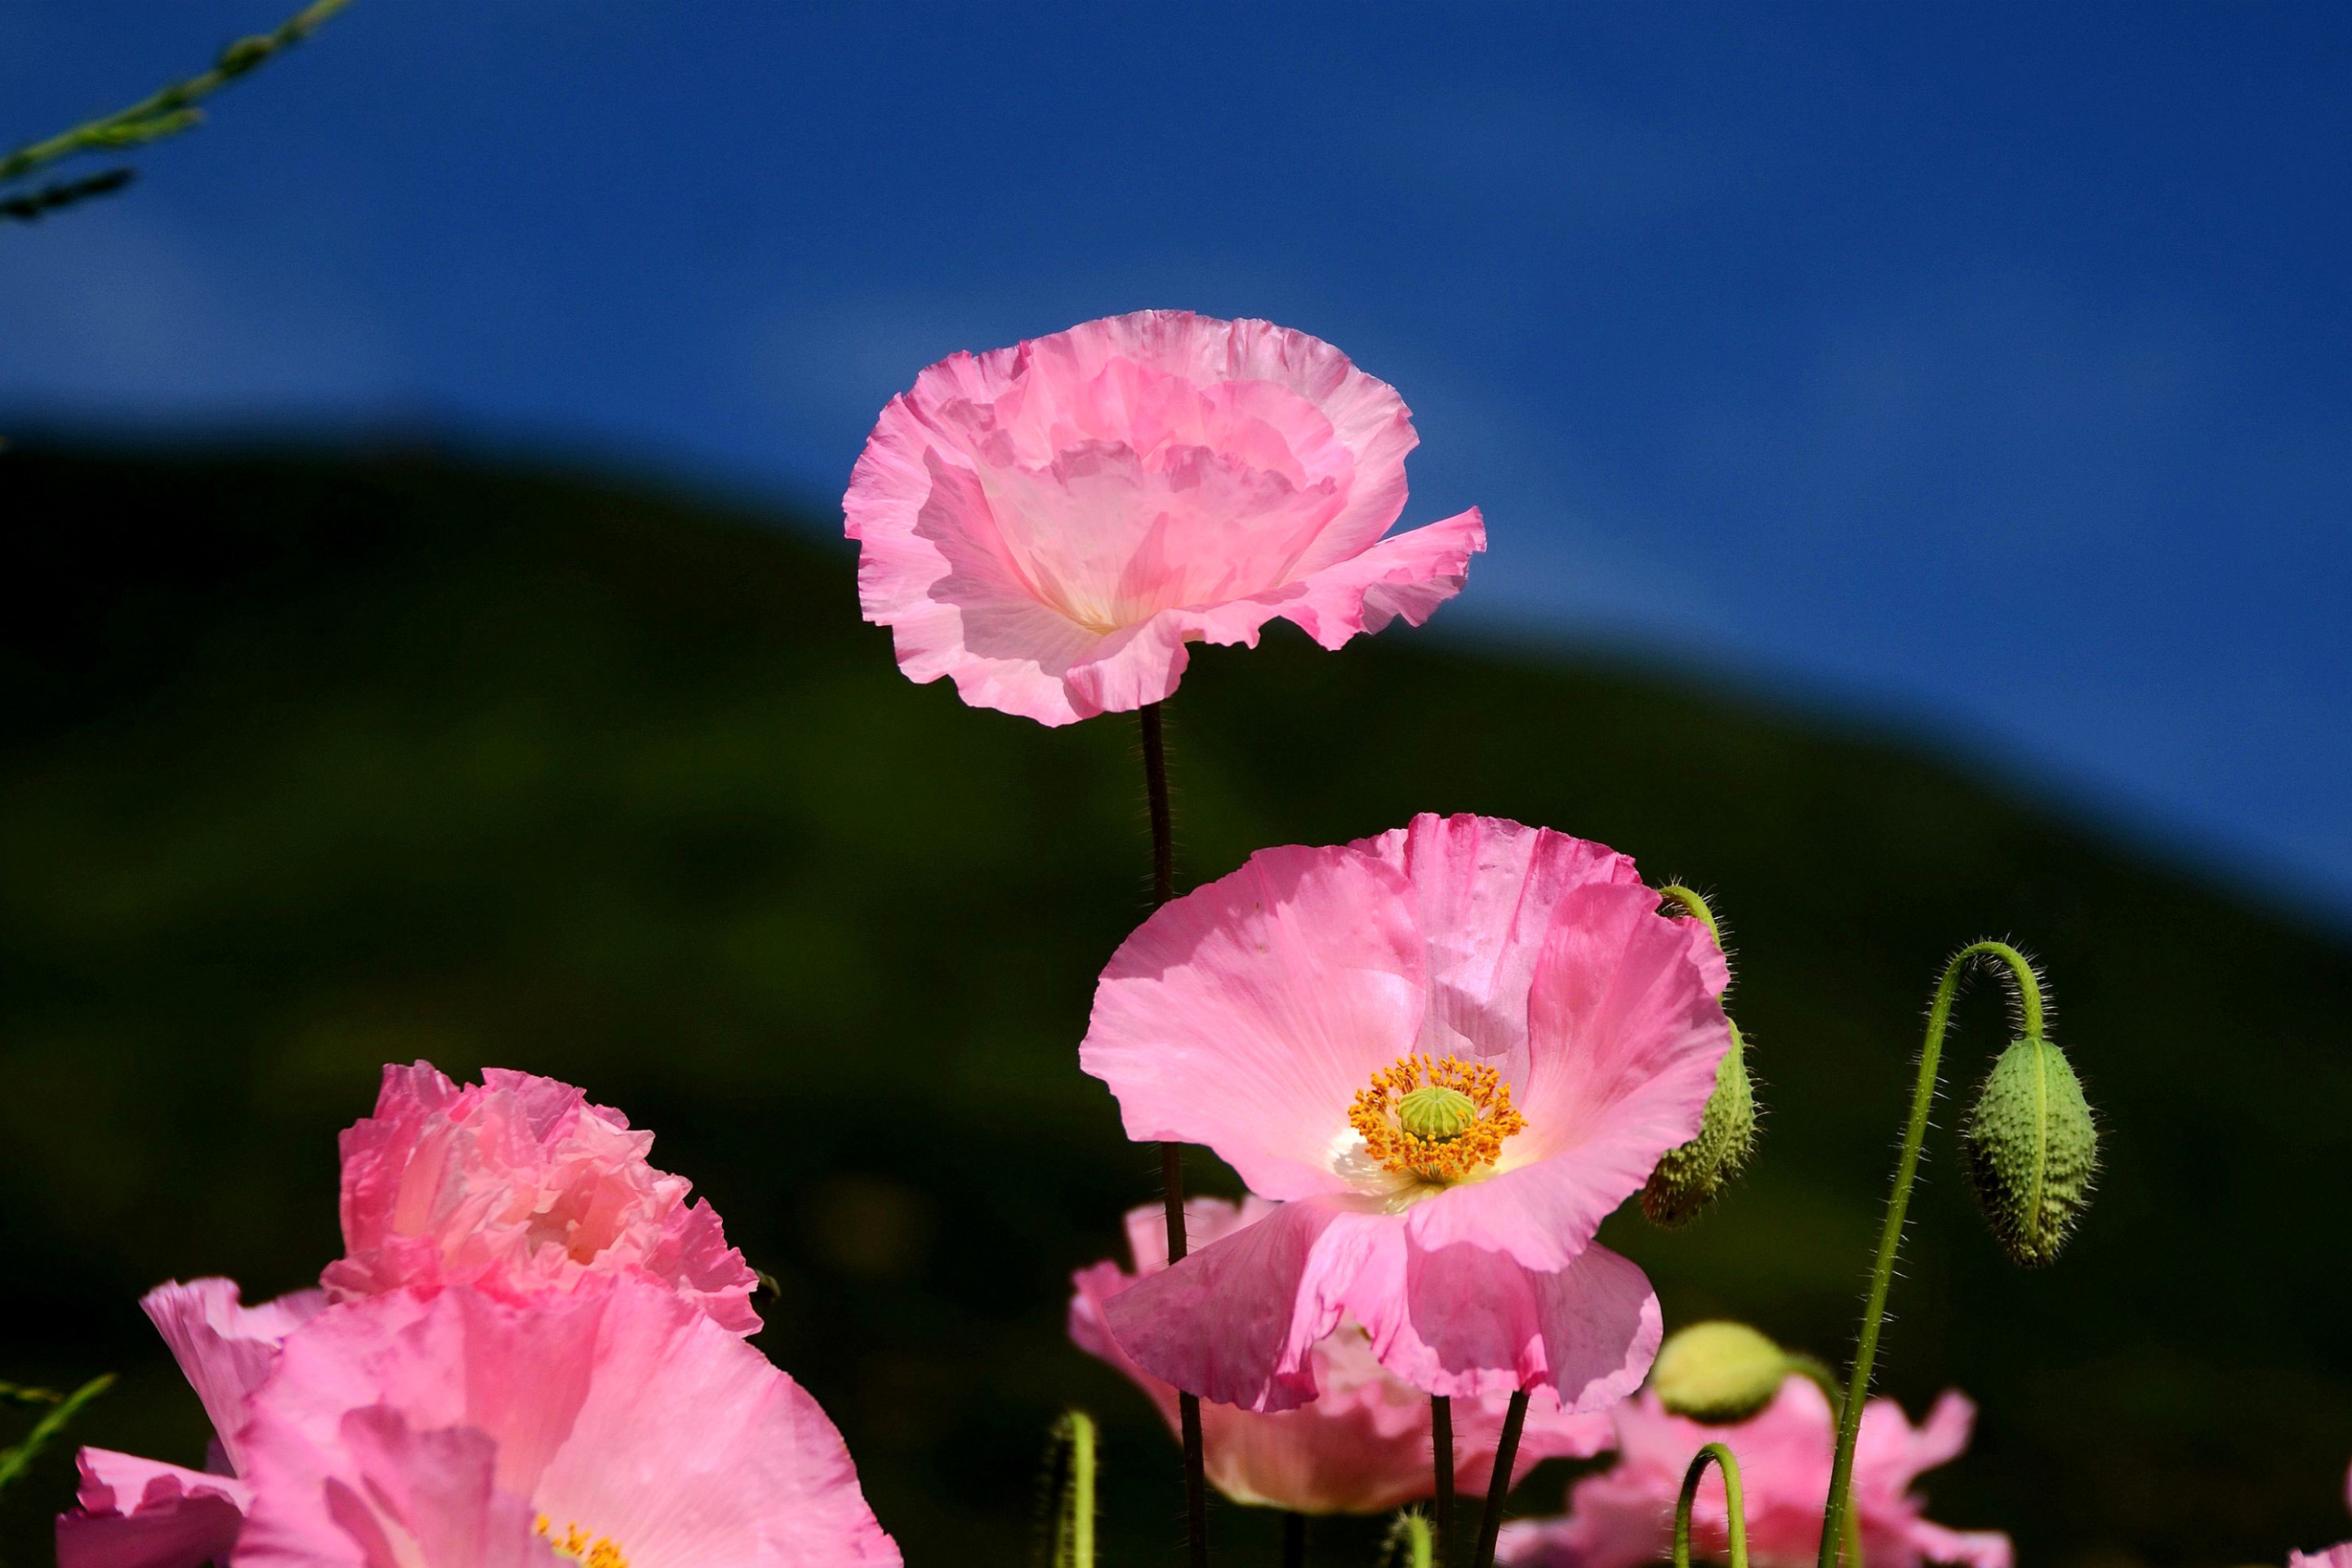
pixel 1718 1373
pixel 2031 1149
pixel 1685 1180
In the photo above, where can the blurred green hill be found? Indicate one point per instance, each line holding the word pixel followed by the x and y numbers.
pixel 310 763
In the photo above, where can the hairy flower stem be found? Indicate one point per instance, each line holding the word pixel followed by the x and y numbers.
pixel 1734 1508
pixel 1440 1444
pixel 1070 1494
pixel 2028 989
pixel 1818 1373
pixel 1408 1544
pixel 1506 1458
pixel 1171 1156
pixel 1698 906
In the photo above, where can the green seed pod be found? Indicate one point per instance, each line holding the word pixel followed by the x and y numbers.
pixel 1686 1180
pixel 1437 1112
pixel 1718 1373
pixel 2031 1149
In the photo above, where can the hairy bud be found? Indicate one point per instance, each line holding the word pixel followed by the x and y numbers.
pixel 1685 1180
pixel 1718 1373
pixel 2031 1149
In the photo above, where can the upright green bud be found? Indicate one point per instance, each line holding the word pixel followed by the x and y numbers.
pixel 1685 1180
pixel 2031 1149
pixel 1718 1372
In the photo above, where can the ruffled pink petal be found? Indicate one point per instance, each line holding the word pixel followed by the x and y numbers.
pixel 1485 890
pixel 628 1412
pixel 693 1250
pixel 1403 577
pixel 140 1513
pixel 1624 1037
pixel 1472 1321
pixel 225 1349
pixel 953 606
pixel 519 1186
pixel 1247 1014
pixel 2336 1556
pixel 1362 1446
pixel 1407 576
pixel 1235 1321
pixel 1365 417
pixel 1050 525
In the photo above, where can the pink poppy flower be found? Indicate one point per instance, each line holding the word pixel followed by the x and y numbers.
pixel 1050 524
pixel 1625 1515
pixel 1449 1052
pixel 618 1428
pixel 518 1186
pixel 1364 1445
pixel 140 1513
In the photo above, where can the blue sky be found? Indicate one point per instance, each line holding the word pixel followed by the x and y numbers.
pixel 1983 369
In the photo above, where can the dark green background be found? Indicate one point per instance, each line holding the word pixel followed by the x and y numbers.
pixel 310 763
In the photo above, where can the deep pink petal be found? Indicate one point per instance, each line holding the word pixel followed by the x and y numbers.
pixel 141 1513
pixel 1247 1014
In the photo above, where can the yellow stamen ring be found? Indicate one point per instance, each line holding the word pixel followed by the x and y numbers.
pixel 1440 1120
pixel 589 1551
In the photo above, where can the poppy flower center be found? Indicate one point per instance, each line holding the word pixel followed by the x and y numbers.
pixel 1440 1120
pixel 589 1551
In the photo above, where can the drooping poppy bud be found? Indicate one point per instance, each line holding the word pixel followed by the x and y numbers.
pixel 1687 1179
pixel 1718 1372
pixel 2031 1149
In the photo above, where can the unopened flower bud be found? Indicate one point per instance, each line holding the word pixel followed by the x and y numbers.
pixel 1685 1180
pixel 2031 1149
pixel 1718 1373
